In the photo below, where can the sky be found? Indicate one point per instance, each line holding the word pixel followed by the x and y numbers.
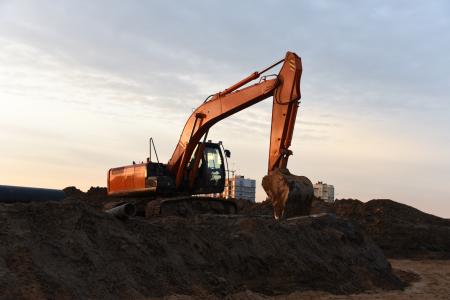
pixel 84 84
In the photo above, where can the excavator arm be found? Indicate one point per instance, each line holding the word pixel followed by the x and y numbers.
pixel 285 89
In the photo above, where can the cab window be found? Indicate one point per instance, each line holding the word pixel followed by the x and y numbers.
pixel 214 165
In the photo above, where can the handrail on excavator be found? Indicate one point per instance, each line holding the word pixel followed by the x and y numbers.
pixel 251 77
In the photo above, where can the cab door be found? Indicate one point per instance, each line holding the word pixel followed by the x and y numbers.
pixel 211 171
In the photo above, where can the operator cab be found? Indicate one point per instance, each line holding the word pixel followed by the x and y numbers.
pixel 211 169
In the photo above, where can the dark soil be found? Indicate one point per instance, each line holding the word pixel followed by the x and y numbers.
pixel 71 250
pixel 400 230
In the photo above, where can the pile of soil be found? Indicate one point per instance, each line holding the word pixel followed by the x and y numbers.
pixel 400 230
pixel 248 208
pixel 71 250
pixel 95 196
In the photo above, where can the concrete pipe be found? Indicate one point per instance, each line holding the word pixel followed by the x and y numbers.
pixel 123 211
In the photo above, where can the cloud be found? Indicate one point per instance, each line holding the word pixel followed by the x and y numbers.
pixel 139 67
pixel 366 55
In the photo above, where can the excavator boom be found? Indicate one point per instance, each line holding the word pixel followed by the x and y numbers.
pixel 285 89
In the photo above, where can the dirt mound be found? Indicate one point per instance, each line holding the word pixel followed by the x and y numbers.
pixel 265 208
pixel 72 191
pixel 255 209
pixel 400 230
pixel 70 250
pixel 95 196
pixel 97 191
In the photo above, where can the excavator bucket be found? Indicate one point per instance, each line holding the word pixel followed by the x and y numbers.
pixel 291 195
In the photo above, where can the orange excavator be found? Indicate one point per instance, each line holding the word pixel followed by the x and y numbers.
pixel 197 166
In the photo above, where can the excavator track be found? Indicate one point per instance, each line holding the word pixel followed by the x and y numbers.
pixel 189 206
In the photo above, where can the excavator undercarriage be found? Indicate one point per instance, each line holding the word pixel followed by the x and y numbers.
pixel 189 206
pixel 182 206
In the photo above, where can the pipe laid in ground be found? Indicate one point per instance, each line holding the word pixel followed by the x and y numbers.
pixel 12 194
pixel 123 211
